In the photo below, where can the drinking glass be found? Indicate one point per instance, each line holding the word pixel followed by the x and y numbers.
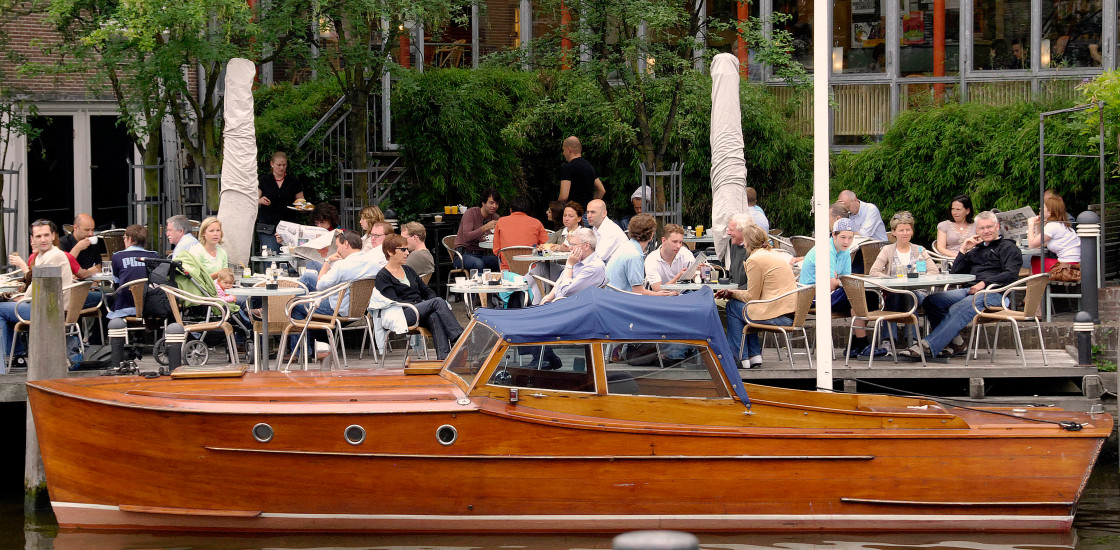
pixel 107 267
pixel 474 275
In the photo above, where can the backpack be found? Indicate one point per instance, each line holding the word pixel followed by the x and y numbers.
pixel 160 272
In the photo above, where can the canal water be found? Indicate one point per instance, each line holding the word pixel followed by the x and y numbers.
pixel 1097 526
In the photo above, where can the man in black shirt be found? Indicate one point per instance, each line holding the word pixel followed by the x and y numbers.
pixel 993 261
pixel 83 246
pixel 578 181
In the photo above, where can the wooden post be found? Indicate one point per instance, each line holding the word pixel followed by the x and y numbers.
pixel 46 358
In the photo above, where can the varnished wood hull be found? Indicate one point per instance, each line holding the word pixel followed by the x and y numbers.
pixel 131 456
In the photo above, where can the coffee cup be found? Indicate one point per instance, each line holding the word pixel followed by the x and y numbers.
pixel 439 218
pixel 460 281
pixel 93 240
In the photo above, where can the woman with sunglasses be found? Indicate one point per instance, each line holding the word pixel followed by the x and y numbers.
pixel 398 282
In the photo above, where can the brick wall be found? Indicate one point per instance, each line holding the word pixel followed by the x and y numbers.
pixel 1108 303
pixel 28 37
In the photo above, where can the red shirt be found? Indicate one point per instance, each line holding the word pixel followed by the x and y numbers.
pixel 74 267
pixel 518 229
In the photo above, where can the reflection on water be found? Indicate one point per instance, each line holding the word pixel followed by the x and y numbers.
pixel 1097 528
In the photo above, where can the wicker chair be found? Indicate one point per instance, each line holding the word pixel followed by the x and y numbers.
pixel 801 245
pixel 1035 288
pixel 78 292
pixel 324 323
pixel 520 267
pixel 355 317
pixel 208 324
pixel 804 302
pixel 870 251
pixel 855 288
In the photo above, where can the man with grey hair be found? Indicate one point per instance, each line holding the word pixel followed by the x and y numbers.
pixel 584 268
pixel 864 215
pixel 736 253
pixel 993 261
pixel 179 233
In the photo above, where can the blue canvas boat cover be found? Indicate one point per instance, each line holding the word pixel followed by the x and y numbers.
pixel 602 314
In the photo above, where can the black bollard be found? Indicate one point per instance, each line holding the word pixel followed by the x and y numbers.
pixel 174 336
pixel 118 330
pixel 1089 229
pixel 1083 327
pixel 656 540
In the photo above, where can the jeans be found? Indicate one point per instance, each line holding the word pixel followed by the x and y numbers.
pixel 949 312
pixel 436 316
pixel 736 320
pixel 479 262
pixel 8 320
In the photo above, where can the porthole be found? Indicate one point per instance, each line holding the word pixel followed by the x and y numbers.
pixel 262 432
pixel 355 434
pixel 447 434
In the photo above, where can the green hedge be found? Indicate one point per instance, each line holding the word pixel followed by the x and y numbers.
pixel 284 114
pixel 990 153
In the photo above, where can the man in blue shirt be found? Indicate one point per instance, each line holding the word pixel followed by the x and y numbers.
pixel 128 265
pixel 627 269
pixel 840 263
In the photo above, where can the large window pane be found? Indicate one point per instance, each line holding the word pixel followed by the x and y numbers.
pixel 929 49
pixel 800 27
pixel 859 36
pixel 1071 33
pixel 1001 34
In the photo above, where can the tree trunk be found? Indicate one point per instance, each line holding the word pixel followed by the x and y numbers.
pixel 152 187
pixel 358 128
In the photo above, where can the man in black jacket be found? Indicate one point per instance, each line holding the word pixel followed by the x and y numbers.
pixel 993 261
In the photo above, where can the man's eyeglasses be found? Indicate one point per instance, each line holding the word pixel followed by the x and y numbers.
pixel 376 234
pixel 402 249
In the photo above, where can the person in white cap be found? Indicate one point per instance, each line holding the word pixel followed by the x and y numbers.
pixel 636 198
pixel 840 263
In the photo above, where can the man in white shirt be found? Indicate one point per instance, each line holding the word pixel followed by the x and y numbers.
pixel 347 264
pixel 665 265
pixel 864 215
pixel 609 235
pixel 43 235
pixel 584 269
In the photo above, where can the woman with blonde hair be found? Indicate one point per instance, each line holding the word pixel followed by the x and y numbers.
pixel 769 275
pixel 368 218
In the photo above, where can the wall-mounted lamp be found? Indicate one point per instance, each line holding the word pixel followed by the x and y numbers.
pixel 837 59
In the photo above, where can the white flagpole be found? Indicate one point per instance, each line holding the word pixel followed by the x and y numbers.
pixel 822 65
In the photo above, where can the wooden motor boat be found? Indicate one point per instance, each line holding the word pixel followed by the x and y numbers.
pixel 601 412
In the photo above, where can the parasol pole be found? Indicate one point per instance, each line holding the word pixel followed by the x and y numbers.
pixel 821 66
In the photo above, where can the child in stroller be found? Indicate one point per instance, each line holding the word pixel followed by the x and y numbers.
pixel 196 350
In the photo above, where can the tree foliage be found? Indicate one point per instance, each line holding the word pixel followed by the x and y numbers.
pixel 989 153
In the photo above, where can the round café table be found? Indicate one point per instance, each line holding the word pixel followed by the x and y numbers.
pixel 923 281
pixel 265 293
pixel 550 257
pixel 477 288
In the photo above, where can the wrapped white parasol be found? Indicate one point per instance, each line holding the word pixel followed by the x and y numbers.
pixel 237 208
pixel 729 167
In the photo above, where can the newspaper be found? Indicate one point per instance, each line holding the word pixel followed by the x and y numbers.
pixel 689 273
pixel 306 240
pixel 1013 223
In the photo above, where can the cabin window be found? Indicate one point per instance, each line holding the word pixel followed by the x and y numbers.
pixel 560 367
pixel 663 369
pixel 473 349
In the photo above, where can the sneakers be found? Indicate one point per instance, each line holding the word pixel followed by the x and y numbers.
pixel 751 363
pixel 879 352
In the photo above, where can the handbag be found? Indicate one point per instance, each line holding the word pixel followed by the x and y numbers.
pixel 1066 272
pixel 266 228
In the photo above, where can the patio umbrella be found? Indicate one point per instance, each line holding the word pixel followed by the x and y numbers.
pixel 237 208
pixel 729 167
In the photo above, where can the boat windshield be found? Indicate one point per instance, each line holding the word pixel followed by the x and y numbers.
pixel 470 356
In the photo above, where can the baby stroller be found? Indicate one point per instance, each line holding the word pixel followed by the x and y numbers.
pixel 202 316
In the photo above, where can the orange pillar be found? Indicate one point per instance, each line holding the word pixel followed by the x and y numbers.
pixel 565 43
pixel 406 45
pixel 741 50
pixel 939 45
